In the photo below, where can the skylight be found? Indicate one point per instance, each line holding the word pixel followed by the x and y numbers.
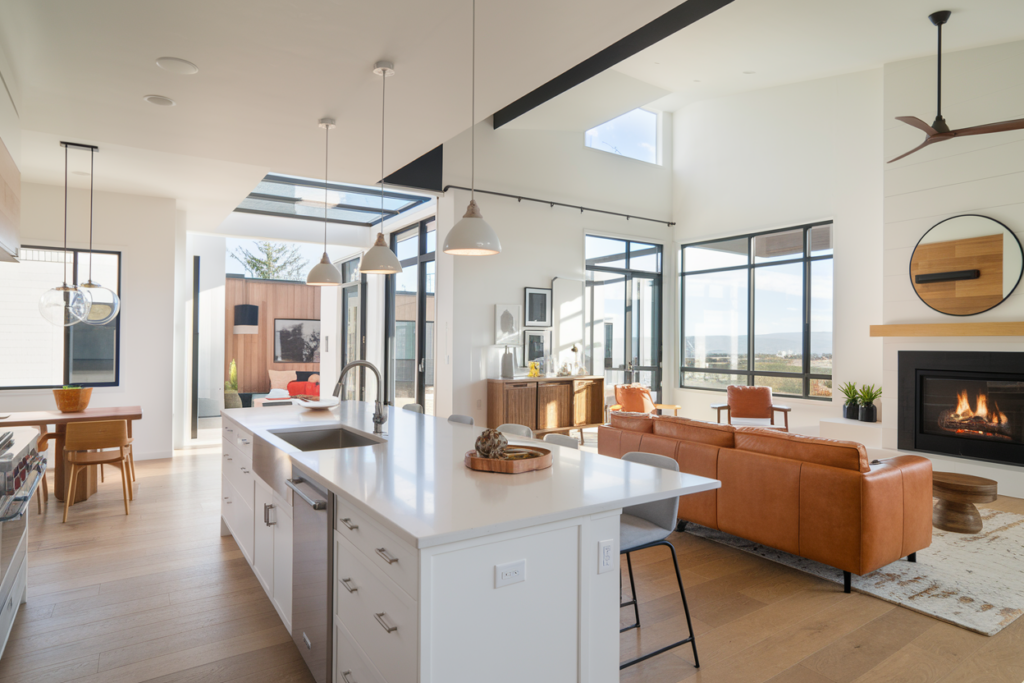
pixel 294 197
pixel 633 135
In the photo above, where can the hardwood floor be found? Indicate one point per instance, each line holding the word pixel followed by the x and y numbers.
pixel 160 597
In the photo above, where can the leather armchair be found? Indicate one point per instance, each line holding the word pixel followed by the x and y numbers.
pixel 751 407
pixel 635 398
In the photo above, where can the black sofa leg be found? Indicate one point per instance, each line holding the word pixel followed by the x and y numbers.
pixel 912 557
pixel 681 525
pixel 847 582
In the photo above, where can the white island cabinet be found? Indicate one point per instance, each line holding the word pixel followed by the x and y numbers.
pixel 446 575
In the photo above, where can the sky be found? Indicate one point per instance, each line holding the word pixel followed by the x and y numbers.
pixel 634 134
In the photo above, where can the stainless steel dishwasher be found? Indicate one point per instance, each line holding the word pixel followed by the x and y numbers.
pixel 312 574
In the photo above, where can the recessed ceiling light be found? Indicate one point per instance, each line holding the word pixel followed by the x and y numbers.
pixel 177 66
pixel 748 72
pixel 696 80
pixel 80 172
pixel 159 100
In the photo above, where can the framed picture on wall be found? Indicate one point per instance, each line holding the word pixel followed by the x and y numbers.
pixel 508 321
pixel 537 345
pixel 296 341
pixel 538 307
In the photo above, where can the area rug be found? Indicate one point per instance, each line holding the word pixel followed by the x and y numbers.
pixel 973 581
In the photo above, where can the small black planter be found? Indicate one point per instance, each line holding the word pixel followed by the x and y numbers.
pixel 868 413
pixel 851 411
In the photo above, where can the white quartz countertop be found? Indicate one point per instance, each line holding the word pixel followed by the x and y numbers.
pixel 415 483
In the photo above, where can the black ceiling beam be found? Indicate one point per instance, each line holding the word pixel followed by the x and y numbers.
pixel 672 21
pixel 424 173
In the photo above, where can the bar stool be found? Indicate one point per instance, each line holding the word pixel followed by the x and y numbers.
pixel 460 419
pixel 518 430
pixel 645 526
pixel 413 407
pixel 562 440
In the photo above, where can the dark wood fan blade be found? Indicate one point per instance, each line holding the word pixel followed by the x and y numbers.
pixel 917 123
pixel 921 146
pixel 1001 127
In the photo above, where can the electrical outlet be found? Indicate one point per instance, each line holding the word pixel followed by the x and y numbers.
pixel 479 403
pixel 510 572
pixel 605 556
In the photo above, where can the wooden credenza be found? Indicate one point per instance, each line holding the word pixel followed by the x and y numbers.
pixel 546 404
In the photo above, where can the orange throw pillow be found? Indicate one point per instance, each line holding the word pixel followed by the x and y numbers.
pixel 635 398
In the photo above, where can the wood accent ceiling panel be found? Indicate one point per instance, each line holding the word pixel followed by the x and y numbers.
pixel 10 192
pixel 254 353
pixel 962 297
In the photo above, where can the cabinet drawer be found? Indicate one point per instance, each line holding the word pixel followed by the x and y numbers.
pixel 238 437
pixel 239 516
pixel 398 560
pixel 237 469
pixel 350 663
pixel 383 621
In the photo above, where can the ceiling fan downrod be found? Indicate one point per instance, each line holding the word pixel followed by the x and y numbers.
pixel 939 18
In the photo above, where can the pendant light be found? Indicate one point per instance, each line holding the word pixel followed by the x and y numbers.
pixel 380 259
pixel 472 236
pixel 105 302
pixel 324 274
pixel 65 305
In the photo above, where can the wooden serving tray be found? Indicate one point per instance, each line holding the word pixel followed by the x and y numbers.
pixel 541 462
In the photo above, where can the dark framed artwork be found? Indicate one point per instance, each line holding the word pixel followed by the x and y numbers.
pixel 296 341
pixel 538 307
pixel 537 345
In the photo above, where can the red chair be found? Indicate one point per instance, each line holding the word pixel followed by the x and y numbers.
pixel 751 407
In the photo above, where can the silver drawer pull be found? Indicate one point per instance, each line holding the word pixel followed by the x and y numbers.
pixel 379 616
pixel 346 583
pixel 349 525
pixel 386 556
pixel 346 676
pixel 245 441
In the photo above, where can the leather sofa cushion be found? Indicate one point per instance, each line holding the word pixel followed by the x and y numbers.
pixel 634 398
pixel 659 445
pixel 608 441
pixel 760 498
pixel 634 423
pixel 694 430
pixel 847 455
pixel 749 401
pixel 702 460
pixel 832 510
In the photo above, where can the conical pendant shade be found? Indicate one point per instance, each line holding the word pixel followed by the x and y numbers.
pixel 324 274
pixel 472 236
pixel 380 259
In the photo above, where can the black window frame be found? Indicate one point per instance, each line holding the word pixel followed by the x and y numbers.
pixel 750 267
pixel 67 330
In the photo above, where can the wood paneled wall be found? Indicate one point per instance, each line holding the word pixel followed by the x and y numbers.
pixel 254 353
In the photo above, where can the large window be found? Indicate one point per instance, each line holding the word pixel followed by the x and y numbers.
pixel 757 310
pixel 633 135
pixel 36 354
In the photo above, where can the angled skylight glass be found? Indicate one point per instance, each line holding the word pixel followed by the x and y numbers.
pixel 294 197
pixel 634 135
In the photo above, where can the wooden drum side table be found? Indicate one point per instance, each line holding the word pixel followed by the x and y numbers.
pixel 958 494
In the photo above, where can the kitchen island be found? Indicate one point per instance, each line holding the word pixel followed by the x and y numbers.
pixel 444 574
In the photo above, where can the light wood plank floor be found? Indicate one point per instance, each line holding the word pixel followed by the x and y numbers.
pixel 160 596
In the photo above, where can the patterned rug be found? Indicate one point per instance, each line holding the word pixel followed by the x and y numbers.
pixel 973 581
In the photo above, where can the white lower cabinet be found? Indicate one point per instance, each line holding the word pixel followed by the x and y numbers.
pixel 282 597
pixel 350 663
pixel 263 553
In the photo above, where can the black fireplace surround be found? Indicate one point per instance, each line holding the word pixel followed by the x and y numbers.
pixel 962 403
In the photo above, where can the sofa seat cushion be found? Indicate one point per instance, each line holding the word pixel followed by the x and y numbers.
pixel 708 433
pixel 633 422
pixel 847 455
pixel 635 532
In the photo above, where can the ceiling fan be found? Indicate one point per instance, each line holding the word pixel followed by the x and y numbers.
pixel 939 131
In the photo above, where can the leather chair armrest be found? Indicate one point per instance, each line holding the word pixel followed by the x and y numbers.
pixel 785 414
pixel 609 410
pixel 720 407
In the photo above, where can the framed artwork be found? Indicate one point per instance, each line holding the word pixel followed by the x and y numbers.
pixel 538 307
pixel 508 322
pixel 296 341
pixel 538 345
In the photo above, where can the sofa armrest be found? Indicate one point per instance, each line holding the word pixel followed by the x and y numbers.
pixel 897 510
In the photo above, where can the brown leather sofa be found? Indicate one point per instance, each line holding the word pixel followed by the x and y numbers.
pixel 816 498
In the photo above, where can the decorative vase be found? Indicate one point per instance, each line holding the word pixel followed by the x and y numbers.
pixel 72 400
pixel 868 413
pixel 507 364
pixel 851 411
pixel 232 400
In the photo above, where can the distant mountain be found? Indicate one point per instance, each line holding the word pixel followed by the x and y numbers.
pixel 781 342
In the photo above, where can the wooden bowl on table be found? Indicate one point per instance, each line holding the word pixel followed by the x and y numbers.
pixel 540 459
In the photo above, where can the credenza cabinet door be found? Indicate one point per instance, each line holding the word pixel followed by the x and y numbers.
pixel 521 404
pixel 554 405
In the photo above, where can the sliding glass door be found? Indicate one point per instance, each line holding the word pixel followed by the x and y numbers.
pixel 353 320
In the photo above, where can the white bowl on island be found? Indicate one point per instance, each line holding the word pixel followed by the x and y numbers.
pixel 322 404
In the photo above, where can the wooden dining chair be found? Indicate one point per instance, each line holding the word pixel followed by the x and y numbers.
pixel 43 494
pixel 93 443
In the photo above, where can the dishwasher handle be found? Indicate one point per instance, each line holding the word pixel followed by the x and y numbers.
pixel 315 504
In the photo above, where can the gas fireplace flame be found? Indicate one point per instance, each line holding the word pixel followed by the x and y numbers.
pixel 963 409
pixel 984 420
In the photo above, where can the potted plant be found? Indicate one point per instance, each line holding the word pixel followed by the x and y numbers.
pixel 72 399
pixel 231 397
pixel 868 394
pixel 851 408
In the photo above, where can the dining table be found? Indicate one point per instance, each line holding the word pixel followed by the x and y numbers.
pixel 42 419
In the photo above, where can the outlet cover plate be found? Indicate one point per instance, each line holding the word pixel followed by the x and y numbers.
pixel 509 573
pixel 605 556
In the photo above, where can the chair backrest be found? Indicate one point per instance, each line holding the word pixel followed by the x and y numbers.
pixel 749 401
pixel 562 440
pixel 661 513
pixel 95 436
pixel 518 430
pixel 461 419
pixel 634 398
pixel 413 407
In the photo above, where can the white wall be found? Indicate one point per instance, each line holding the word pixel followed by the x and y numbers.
pixel 10 137
pixel 788 156
pixel 539 242
pixel 982 175
pixel 211 251
pixel 144 230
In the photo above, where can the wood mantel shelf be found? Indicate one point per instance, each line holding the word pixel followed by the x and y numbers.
pixel 1003 329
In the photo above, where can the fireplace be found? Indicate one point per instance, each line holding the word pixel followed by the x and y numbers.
pixel 967 404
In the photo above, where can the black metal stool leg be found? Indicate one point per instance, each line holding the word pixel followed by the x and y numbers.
pixel 632 590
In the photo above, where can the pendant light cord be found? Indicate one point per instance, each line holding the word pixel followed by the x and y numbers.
pixel 65 215
pixel 472 123
pixel 92 175
pixel 383 102
pixel 327 149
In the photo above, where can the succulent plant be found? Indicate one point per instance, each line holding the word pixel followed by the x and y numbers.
pixel 852 394
pixel 869 393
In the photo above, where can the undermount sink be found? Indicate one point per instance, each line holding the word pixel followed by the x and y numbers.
pixel 324 439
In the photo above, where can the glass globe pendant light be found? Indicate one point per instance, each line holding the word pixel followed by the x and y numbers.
pixel 472 236
pixel 324 274
pixel 105 302
pixel 65 305
pixel 379 259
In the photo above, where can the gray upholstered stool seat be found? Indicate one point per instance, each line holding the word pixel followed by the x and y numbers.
pixel 637 531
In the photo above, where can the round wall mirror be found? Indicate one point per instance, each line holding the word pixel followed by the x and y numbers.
pixel 966 265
